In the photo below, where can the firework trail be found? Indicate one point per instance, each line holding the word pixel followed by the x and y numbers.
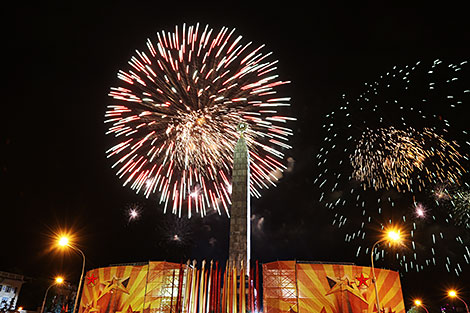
pixel 175 113
pixel 390 156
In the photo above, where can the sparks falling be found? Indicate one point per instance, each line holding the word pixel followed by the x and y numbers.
pixel 402 143
pixel 175 113
pixel 460 206
pixel 403 159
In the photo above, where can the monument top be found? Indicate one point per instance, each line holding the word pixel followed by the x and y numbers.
pixel 242 127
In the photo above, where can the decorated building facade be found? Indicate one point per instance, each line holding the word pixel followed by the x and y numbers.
pixel 287 286
pixel 292 286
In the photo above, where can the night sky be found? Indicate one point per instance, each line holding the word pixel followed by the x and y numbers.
pixel 61 62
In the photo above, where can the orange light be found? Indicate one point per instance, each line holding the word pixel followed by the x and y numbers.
pixel 393 235
pixel 59 280
pixel 452 293
pixel 63 241
pixel 418 302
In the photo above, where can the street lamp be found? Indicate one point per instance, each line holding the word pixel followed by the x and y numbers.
pixel 453 294
pixel 65 242
pixel 392 236
pixel 58 281
pixel 418 302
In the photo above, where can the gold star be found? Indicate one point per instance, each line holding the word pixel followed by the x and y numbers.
pixel 90 308
pixel 341 284
pixel 112 285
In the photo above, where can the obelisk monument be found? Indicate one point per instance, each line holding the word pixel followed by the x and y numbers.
pixel 239 244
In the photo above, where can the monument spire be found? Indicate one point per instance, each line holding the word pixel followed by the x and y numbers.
pixel 240 213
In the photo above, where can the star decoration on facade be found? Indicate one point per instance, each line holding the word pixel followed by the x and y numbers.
pixel 91 280
pixel 90 308
pixel 361 280
pixel 342 284
pixel 113 284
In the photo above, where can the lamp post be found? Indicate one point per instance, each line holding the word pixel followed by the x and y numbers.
pixel 64 242
pixel 58 281
pixel 453 294
pixel 391 236
pixel 419 303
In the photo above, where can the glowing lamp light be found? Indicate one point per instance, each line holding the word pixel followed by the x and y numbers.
pixel 394 235
pixel 57 281
pixel 419 303
pixel 391 236
pixel 63 241
pixel 453 294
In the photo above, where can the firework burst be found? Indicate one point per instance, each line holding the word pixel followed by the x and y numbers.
pixel 385 149
pixel 388 158
pixel 440 193
pixel 174 118
pixel 133 212
pixel 175 231
pixel 420 211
